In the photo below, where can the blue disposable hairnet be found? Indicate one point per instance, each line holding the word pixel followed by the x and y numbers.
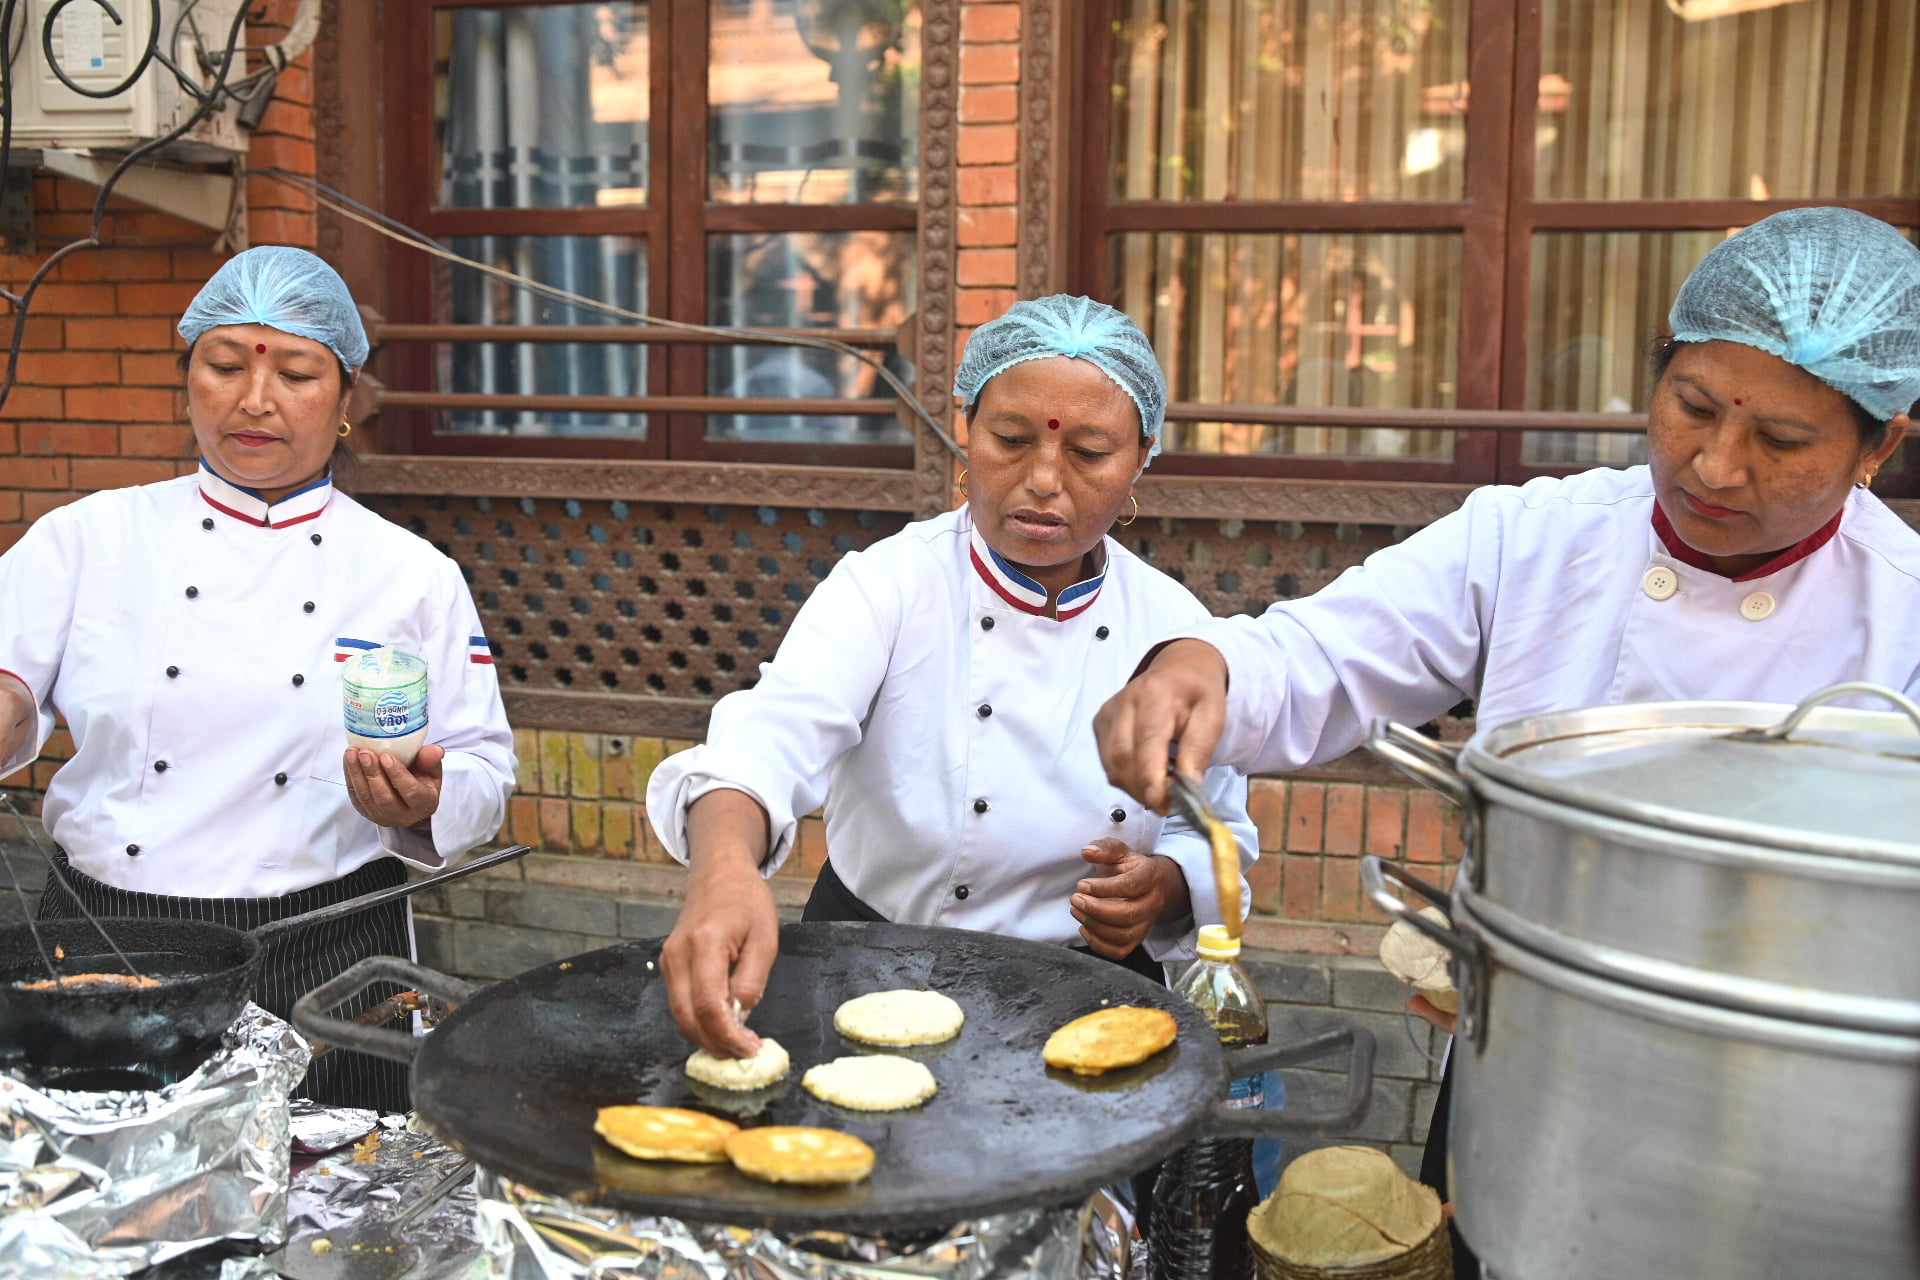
pixel 1065 325
pixel 286 289
pixel 1830 290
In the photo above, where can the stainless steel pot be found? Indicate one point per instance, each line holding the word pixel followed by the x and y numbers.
pixel 1604 1130
pixel 1749 855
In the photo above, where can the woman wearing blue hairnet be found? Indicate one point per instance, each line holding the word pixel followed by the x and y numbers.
pixel 189 633
pixel 1749 561
pixel 937 693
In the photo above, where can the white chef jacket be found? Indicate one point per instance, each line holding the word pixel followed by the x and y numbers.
pixel 1559 595
pixel 948 724
pixel 192 636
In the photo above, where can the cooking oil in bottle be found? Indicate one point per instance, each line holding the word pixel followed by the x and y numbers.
pixel 1205 1191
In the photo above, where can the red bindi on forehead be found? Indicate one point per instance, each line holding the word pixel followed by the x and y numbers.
pixel 260 347
pixel 1053 424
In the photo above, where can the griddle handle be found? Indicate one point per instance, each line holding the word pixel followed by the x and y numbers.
pixel 1229 1122
pixel 313 1012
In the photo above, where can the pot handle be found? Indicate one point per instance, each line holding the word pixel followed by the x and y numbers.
pixel 1432 763
pixel 313 1012
pixel 1786 727
pixel 1374 874
pixel 1232 1122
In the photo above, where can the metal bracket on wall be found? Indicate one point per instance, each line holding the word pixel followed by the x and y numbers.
pixel 206 197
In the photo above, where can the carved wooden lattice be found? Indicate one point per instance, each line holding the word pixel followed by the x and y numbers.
pixel 677 601
pixel 1242 566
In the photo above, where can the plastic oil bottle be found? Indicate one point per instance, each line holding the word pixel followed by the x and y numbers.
pixel 1206 1190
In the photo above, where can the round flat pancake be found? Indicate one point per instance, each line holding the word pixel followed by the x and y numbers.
pixel 665 1133
pixel 1109 1039
pixel 899 1018
pixel 873 1082
pixel 805 1157
pixel 766 1066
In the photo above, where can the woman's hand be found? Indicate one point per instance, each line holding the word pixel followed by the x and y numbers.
pixel 722 948
pixel 1130 893
pixel 19 717
pixel 1181 697
pixel 1422 1007
pixel 390 794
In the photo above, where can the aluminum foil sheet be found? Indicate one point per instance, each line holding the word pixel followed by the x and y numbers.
pixel 106 1184
pixel 317 1128
pixel 531 1236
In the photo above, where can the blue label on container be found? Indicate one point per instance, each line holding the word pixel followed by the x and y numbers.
pixel 393 714
pixel 1248 1093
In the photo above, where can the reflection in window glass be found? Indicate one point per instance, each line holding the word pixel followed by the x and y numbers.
pixel 1290 100
pixel 1599 301
pixel 1267 319
pixel 831 280
pixel 814 101
pixel 544 106
pixel 1728 99
pixel 605 268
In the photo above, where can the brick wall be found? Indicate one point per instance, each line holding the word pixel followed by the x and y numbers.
pixel 97 405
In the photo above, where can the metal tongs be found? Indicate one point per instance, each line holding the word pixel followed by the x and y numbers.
pixel 1191 801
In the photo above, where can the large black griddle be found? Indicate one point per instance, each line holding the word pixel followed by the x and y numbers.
pixel 514 1077
pixel 205 973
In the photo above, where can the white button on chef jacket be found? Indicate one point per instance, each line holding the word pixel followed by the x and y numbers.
pixel 95 610
pixel 1539 598
pixel 1660 583
pixel 1757 607
pixel 951 756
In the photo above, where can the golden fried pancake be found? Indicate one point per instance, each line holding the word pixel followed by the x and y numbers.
pixel 901 1017
pixel 1110 1039
pixel 808 1157
pixel 665 1133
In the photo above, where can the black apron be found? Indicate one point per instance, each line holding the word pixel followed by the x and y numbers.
pixel 831 900
pixel 1433 1172
pixel 292 965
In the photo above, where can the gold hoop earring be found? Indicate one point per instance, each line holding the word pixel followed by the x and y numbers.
pixel 961 483
pixel 1135 515
pixel 346 429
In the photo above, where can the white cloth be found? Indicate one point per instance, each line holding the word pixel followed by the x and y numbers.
pixel 1555 596
pixel 94 610
pixel 874 705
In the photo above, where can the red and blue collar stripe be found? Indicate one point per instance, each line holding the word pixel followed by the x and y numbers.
pixel 248 507
pixel 1028 596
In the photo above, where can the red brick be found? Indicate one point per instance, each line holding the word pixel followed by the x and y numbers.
pixel 978 267
pixel 295 83
pixel 982 64
pixel 197 264
pixel 1267 806
pixel 34 402
pixel 9 437
pixel 1300 894
pixel 148 228
pixel 287 118
pixel 168 298
pixel 977 306
pixel 556 825
pixel 156 442
pixel 151 370
pixel 117 473
pixel 58 228
pixel 68 438
pixel 35 505
pixel 74 300
pixel 70 368
pixel 1346 818
pixel 988 144
pixel 1263 878
pixel 121 404
pixel 118 265
pixel 986 227
pixel 1426 816
pixel 989 184
pixel 33 473
pixel 44 333
pixel 277 226
pixel 1453 836
pixel 1386 820
pixel 282 153
pixel 523 817
pixel 277 193
pixel 989 104
pixel 1339 889
pixel 989 23
pixel 1306 816
pixel 135 333
pixel 9 507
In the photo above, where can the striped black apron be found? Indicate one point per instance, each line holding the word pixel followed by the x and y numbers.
pixel 291 965
pixel 1433 1172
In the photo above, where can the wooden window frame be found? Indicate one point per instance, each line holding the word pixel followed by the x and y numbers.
pixel 675 225
pixel 1497 220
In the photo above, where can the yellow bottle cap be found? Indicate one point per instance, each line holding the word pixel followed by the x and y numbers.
pixel 1217 944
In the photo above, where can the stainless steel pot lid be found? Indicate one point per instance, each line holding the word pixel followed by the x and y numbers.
pixel 1841 781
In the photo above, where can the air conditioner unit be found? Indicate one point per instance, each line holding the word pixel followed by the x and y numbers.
pixel 97 53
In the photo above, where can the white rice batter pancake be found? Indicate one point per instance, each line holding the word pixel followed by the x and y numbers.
pixel 874 1082
pixel 899 1018
pixel 759 1071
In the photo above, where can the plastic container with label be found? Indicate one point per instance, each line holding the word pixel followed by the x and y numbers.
pixel 384 693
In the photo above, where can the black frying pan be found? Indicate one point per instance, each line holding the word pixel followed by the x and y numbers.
pixel 206 974
pixel 513 1078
